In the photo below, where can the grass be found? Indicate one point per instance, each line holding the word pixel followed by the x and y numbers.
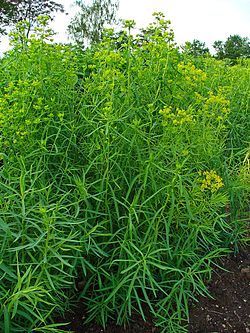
pixel 127 164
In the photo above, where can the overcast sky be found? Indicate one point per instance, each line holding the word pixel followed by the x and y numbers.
pixel 206 20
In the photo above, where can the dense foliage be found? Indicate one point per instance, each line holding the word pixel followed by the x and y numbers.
pixel 125 167
pixel 234 47
pixel 13 11
pixel 196 48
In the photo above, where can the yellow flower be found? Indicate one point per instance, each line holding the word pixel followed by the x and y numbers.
pixel 177 117
pixel 210 181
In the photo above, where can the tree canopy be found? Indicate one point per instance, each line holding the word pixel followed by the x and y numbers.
pixel 196 48
pixel 233 48
pixel 13 11
pixel 88 24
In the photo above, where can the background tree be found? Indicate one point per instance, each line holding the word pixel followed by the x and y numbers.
pixel 88 24
pixel 237 47
pixel 218 45
pixel 13 11
pixel 234 48
pixel 7 12
pixel 196 48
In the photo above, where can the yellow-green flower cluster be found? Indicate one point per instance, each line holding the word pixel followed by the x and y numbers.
pixel 210 181
pixel 176 117
pixel 191 73
pixel 107 111
pixel 108 76
pixel 21 111
pixel 216 106
pixel 108 57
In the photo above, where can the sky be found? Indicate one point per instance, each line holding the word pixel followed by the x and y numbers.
pixel 205 20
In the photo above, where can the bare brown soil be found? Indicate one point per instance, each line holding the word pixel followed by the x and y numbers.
pixel 228 311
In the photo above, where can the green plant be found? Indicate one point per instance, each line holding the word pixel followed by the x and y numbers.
pixel 118 165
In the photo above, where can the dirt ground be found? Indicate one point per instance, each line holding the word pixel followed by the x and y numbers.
pixel 227 312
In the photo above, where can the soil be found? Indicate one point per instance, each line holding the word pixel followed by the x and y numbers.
pixel 227 311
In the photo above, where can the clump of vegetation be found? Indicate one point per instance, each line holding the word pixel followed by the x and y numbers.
pixel 118 165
